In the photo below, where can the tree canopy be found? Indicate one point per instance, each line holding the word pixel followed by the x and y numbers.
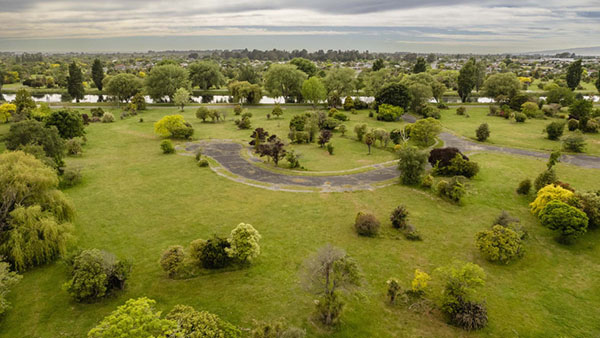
pixel 163 81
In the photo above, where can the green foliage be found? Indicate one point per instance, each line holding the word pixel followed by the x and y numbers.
pixel 399 217
pixel 520 117
pixel 329 148
pixel 24 102
pixel 277 111
pixel 574 143
pixel 192 323
pixel 293 159
pixel 139 100
pixel 68 123
pixel 137 318
pixel 411 164
pixel 124 86
pixel 206 74
pixel 74 146
pixel 360 130
pixel 243 123
pixel 420 66
pixel 393 289
pixel 167 147
pixel 469 316
pixel 590 204
pixel 163 81
pixel 458 166
pixel 70 178
pixel 460 284
pixel 499 244
pixel 420 94
pixel 467 79
pixel 107 118
pixel 276 329
pixel 94 274
pixel 555 130
pixel 7 280
pixel 545 178
pixel 395 94
pixel 502 85
pixel 569 221
pixel 75 82
pixel 482 132
pixel 212 253
pixel 243 243
pixel 581 110
pixel 389 113
pixel 97 73
pixel 524 187
pixel 454 190
pixel 548 194
pixel 173 126
pixel 284 80
pixel 366 224
pixel 339 81
pixel 348 103
pixel 313 91
pixel 181 97
pixel 307 66
pixel 172 260
pixel 6 111
pixel 424 131
pixel 561 95
pixel 574 72
pixel 29 132
pixel 530 109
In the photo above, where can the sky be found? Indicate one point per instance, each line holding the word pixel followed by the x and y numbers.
pixel 443 26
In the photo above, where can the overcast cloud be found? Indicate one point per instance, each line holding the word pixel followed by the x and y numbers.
pixel 381 25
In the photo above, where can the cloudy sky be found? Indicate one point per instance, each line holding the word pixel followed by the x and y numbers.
pixel 448 26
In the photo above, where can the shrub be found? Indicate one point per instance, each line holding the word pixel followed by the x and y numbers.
pixel 545 178
pixel 293 159
pixel 167 147
pixel 389 113
pixel 429 111
pixel 458 166
pixel 94 274
pixel 173 126
pixel 399 217
pixel 203 113
pixel 277 111
pixel 7 280
pixel 424 131
pixel 214 255
pixel 192 323
pixel 348 103
pixel 462 110
pixel 243 123
pixel 107 118
pixel 454 190
pixel 590 204
pixel 172 260
pixel 574 143
pixel 482 132
pixel 524 187
pixel 592 126
pixel 530 109
pixel 68 122
pixel 520 117
pixel 393 289
pixel 469 316
pixel 442 105
pixel 499 244
pixel 573 124
pixel 237 109
pixel 442 156
pixel 494 110
pixel 547 194
pixel 243 243
pixel 70 177
pixel 555 130
pixel 411 164
pixel 97 112
pixel 275 329
pixel 411 233
pixel 140 101
pixel 360 130
pixel 330 148
pixel 340 116
pixel 74 146
pixel 203 163
pixel 569 221
pixel 366 224
pixel 427 181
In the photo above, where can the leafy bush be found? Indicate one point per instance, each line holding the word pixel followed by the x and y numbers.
pixel 530 109
pixel 429 111
pixel 348 103
pixel 442 105
pixel 494 110
pixel 243 243
pixel 399 217
pixel 393 289
pixel 458 166
pixel 276 329
pixel 74 146
pixel 192 323
pixel 360 130
pixel 524 187
pixel 203 163
pixel 107 118
pixel 389 113
pixel 366 224
pixel 94 274
pixel 68 122
pixel 469 316
pixel 172 260
pixel 590 204
pixel 70 177
pixel 574 143
pixel 555 130
pixel 243 123
pixel 7 280
pixel 482 132
pixel 330 148
pixel 411 233
pixel 167 147
pixel 340 116
pixel 545 178
pixel 424 131
pixel 547 194
pixel 520 117
pixel 213 254
pixel 277 111
pixel 499 244
pixel 592 126
pixel 97 112
pixel 569 221
pixel 411 164
pixel 237 109
pixel 173 126
pixel 462 110
pixel 442 156
pixel 293 159
pixel 453 190
pixel 427 181
pixel 572 125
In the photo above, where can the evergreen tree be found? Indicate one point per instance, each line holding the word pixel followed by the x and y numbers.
pixel 467 79
pixel 420 66
pixel 97 74
pixel 574 74
pixel 75 82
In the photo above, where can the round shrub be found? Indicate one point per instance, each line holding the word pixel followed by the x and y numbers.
pixel 74 146
pixel 411 233
pixel 530 109
pixel 499 244
pixel 469 316
pixel 547 194
pixel 366 224
pixel 482 132
pixel 167 147
pixel 172 259
pixel 399 217
pixel 569 221
pixel 520 117
pixel 97 112
pixel 213 254
pixel 427 181
pixel 458 166
pixel 173 126
pixel 237 110
pixel 70 177
pixel 442 156
pixel 590 204
pixel 524 187
pixel 574 143
pixel 203 163
pixel 243 242
pixel 573 125
pixel 555 130
pixel 107 118
pixel 545 178
pixel 277 111
pixel 453 190
pixel 462 110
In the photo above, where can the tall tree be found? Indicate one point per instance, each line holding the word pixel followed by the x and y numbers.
pixel 163 81
pixel 313 91
pixel 598 82
pixel 466 79
pixel 420 66
pixel 480 68
pixel 97 74
pixel 378 64
pixel 340 80
pixel 75 82
pixel 305 65
pixel 206 74
pixel 123 86
pixel 284 80
pixel 574 72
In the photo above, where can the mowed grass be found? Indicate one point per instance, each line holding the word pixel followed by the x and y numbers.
pixel 134 201
pixel 506 132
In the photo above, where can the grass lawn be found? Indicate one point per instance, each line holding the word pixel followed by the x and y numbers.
pixel 134 201
pixel 503 132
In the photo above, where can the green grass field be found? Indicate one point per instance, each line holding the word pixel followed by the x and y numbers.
pixel 134 201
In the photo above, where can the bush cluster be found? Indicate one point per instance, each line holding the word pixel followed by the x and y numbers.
pixel 366 224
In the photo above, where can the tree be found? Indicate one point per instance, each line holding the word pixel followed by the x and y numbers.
pixel 327 273
pixel 547 194
pixel 360 130
pixel 7 280
pixel 313 91
pixel 411 164
pixel 163 81
pixel 248 73
pixel 6 111
pixel 284 80
pixel 75 82
pixel 245 92
pixel 206 74
pixel 467 79
pixel 94 274
pixel 243 243
pixel 574 72
pixel 339 81
pixel 172 259
pixel 598 82
pixel 173 126
pixel 395 94
pixel 502 85
pixel 97 74
pixel 569 221
pixel 499 244
pixel 34 214
pixel 137 318
pixel 438 89
pixel 420 66
pixel 307 66
pixel 581 110
pixel 480 68
pixel 324 137
pixel 24 102
pixel 192 323
pixel 378 64
pixel 366 224
pixel 123 86
pixel 139 100
pixel 555 130
pixel 68 123
pixel 482 132
pixel 424 131
pixel 29 133
pixel 181 97
pixel 560 95
pixel 420 95
pixel 259 136
pixel 273 148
